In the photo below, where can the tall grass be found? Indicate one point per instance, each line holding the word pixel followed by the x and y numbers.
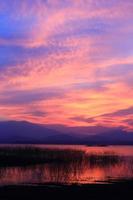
pixel 19 156
pixel 33 155
pixel 104 159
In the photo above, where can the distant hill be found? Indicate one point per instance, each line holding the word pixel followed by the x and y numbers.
pixel 112 138
pixel 23 132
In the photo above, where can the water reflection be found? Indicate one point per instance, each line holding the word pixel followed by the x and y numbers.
pixel 85 171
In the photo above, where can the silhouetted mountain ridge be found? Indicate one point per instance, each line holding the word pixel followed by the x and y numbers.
pixel 26 132
pixel 112 137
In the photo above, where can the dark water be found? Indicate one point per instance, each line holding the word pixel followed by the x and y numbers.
pixel 74 172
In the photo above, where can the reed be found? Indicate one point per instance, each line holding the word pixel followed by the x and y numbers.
pixel 19 156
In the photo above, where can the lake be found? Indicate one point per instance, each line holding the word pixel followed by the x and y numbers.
pixel 105 164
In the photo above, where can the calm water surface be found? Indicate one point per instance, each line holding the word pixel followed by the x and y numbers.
pixel 74 172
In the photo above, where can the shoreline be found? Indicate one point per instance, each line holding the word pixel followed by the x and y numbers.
pixel 116 190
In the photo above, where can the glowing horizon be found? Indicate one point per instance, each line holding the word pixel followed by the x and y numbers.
pixel 67 62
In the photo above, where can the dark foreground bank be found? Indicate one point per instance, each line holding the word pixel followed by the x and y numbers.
pixel 123 190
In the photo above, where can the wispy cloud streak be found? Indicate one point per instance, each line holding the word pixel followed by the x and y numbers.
pixel 67 62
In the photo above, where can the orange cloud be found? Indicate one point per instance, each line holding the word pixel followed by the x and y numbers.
pixel 68 64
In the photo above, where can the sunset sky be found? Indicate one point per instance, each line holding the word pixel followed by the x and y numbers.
pixel 67 62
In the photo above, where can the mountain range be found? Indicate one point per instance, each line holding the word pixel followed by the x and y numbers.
pixel 22 132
